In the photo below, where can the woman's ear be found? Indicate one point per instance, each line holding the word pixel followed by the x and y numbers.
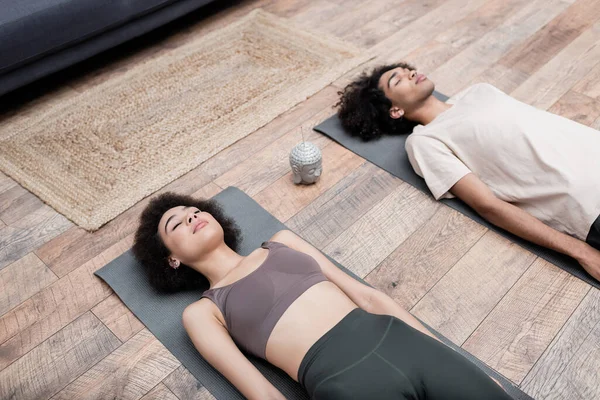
pixel 396 112
pixel 174 263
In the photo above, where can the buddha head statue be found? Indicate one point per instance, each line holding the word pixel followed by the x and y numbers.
pixel 306 163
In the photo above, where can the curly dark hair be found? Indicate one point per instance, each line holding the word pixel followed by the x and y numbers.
pixel 364 108
pixel 150 250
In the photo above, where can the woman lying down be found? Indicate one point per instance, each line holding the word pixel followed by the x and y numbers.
pixel 288 304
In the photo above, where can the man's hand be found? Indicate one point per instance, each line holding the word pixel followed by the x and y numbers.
pixel 589 258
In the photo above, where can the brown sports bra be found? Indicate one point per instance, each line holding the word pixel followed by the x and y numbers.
pixel 253 305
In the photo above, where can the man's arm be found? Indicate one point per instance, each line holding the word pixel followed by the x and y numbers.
pixel 478 196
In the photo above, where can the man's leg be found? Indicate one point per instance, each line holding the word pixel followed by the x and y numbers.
pixel 593 238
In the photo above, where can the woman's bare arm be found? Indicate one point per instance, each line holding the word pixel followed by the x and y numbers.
pixel 215 344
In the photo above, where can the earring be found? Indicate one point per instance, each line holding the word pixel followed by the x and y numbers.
pixel 174 263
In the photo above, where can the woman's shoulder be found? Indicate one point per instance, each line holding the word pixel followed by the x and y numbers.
pixel 201 311
pixel 200 308
pixel 282 237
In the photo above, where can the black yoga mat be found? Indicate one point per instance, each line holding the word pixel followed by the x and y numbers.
pixel 388 153
pixel 161 313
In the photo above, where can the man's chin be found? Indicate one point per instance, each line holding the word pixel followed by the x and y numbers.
pixel 427 87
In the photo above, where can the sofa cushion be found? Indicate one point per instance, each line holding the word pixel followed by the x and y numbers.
pixel 30 29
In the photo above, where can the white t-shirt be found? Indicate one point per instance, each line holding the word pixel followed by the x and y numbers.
pixel 543 163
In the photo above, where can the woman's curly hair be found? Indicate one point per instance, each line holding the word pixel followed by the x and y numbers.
pixel 150 250
pixel 364 109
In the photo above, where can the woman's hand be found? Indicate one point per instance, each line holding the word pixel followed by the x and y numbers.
pixel 589 258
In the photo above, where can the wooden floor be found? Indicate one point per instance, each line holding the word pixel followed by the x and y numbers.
pixel 65 335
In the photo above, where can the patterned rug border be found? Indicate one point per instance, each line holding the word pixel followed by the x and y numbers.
pixel 111 211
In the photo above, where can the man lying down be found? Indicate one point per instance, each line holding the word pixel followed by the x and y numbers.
pixel 528 171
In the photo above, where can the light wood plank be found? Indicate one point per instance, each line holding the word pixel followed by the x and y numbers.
pixel 377 233
pixel 479 22
pixel 430 56
pixel 590 84
pixel 458 303
pixel 287 8
pixel 29 232
pixel 16 203
pixel 577 107
pixel 515 334
pixel 8 198
pixel 284 199
pixel 415 33
pixel 596 124
pixel 6 183
pixel 556 77
pixel 59 246
pixel 337 209
pixel 389 17
pixel 569 367
pixel 426 256
pixel 552 38
pixel 160 392
pixel 57 361
pixel 455 39
pixel 271 163
pixel 75 247
pixel 350 16
pixel 453 76
pixel 21 280
pixel 316 15
pixel 403 13
pixel 51 309
pixel 128 373
pixel 208 191
pixel 117 317
pixel 185 386
pixel 371 33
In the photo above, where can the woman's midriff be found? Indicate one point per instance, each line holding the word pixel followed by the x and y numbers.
pixel 308 318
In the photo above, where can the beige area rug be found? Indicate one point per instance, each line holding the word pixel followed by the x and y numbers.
pixel 95 155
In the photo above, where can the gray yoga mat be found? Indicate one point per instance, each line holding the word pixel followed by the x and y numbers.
pixel 161 313
pixel 388 153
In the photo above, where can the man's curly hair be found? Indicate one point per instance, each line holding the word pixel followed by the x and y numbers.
pixel 364 109
pixel 150 250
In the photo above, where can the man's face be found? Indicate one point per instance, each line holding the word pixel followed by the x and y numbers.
pixel 405 88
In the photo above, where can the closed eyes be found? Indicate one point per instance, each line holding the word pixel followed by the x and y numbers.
pixel 179 223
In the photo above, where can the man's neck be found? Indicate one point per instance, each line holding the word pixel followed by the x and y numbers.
pixel 428 110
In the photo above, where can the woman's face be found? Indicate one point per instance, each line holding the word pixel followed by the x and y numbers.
pixel 189 233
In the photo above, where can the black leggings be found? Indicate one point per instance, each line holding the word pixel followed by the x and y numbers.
pixel 369 356
pixel 593 237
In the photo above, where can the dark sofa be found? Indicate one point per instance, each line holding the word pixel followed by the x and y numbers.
pixel 39 37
